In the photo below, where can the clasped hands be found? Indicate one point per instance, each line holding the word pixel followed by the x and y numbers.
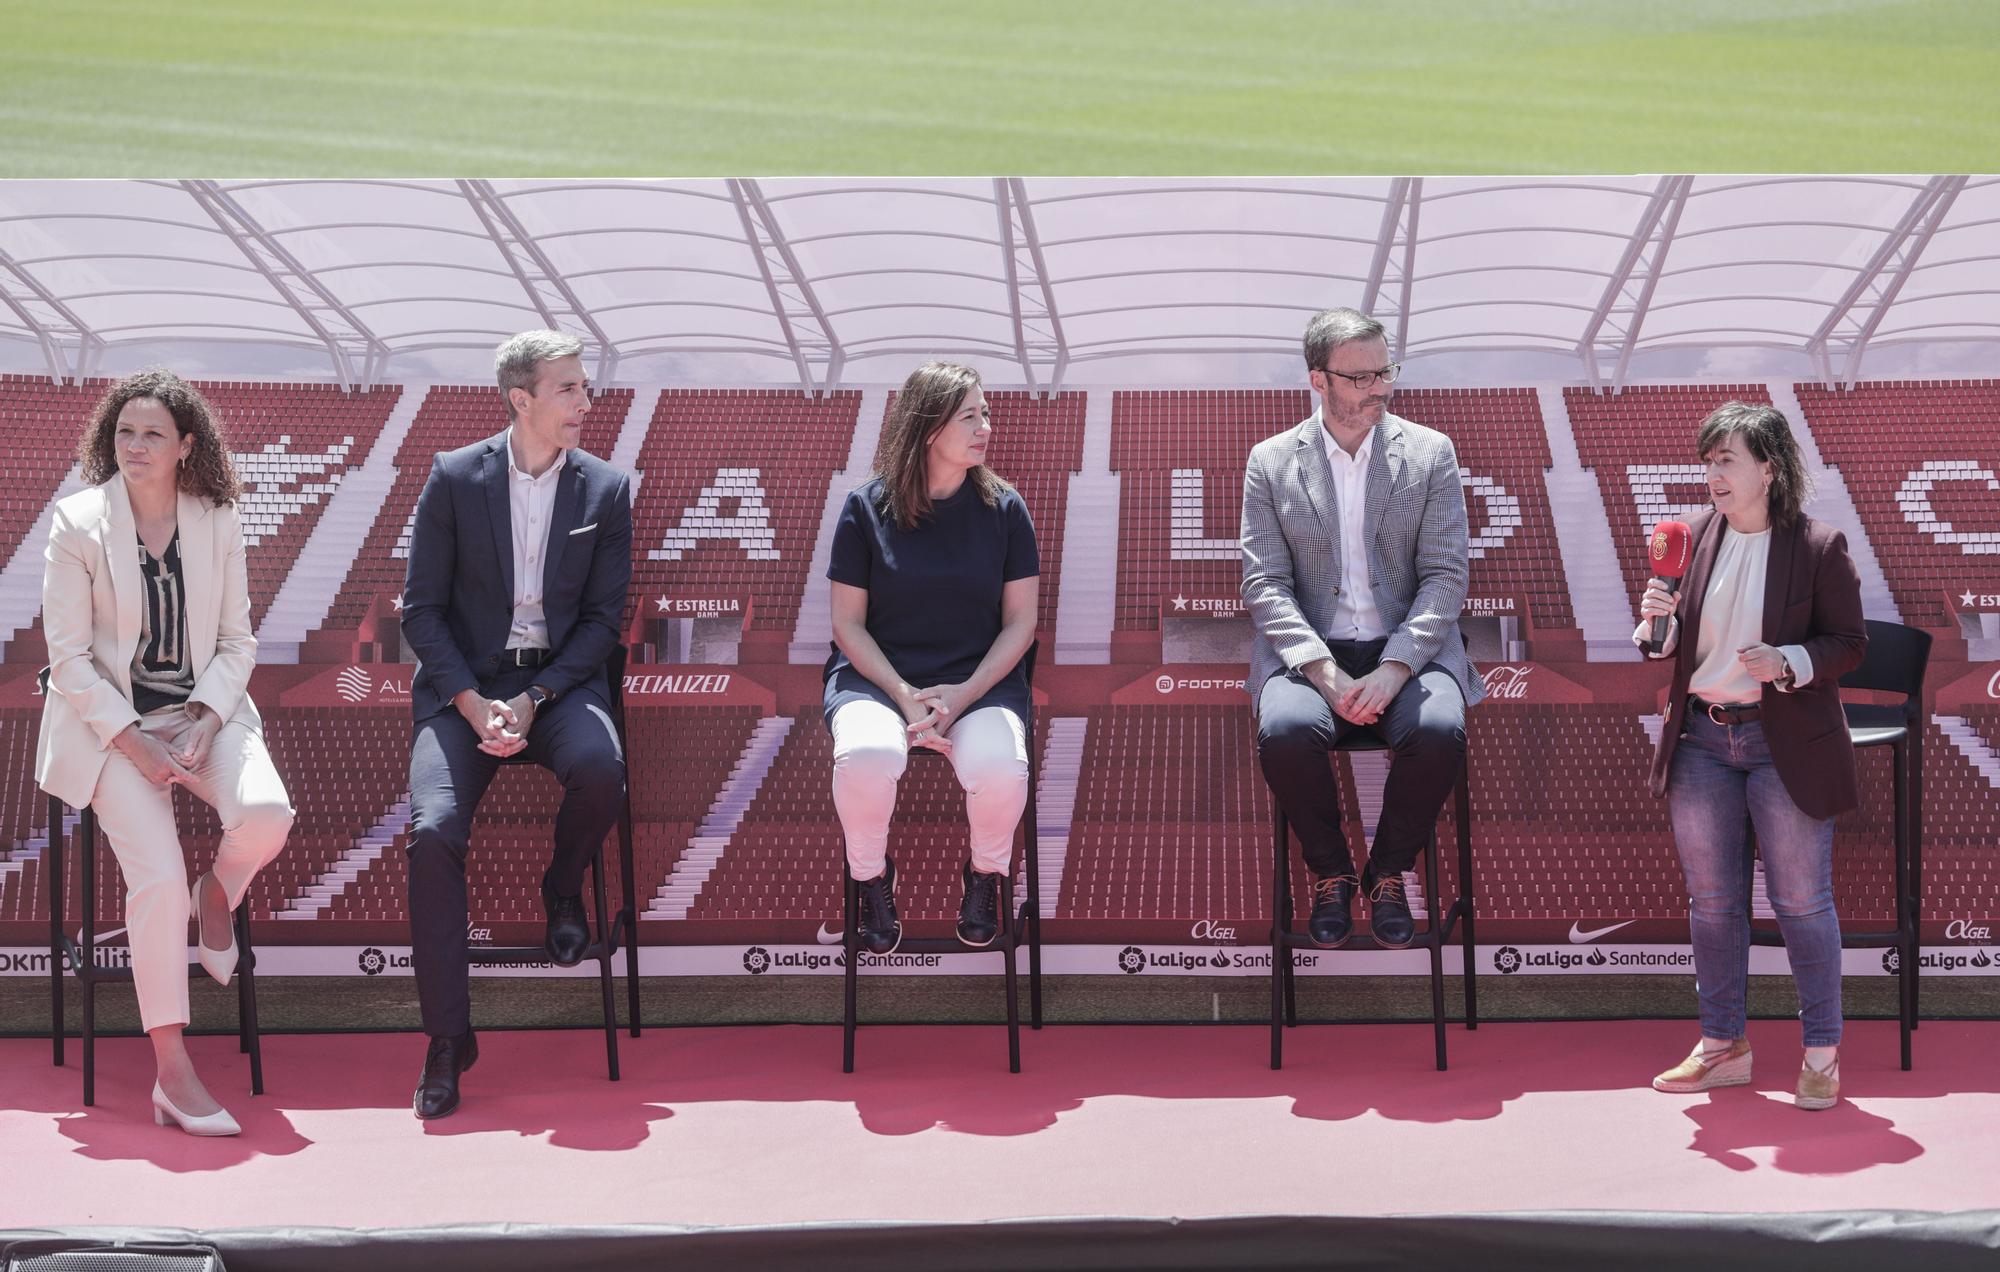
pixel 1357 699
pixel 930 714
pixel 502 725
pixel 163 765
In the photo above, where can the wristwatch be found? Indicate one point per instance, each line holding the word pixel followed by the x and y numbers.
pixel 539 697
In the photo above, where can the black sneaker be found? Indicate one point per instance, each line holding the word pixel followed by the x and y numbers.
pixel 1389 911
pixel 979 913
pixel 881 931
pixel 1332 920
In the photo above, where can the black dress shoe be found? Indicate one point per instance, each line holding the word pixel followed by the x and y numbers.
pixel 1389 911
pixel 979 912
pixel 881 931
pixel 1332 920
pixel 568 935
pixel 437 1089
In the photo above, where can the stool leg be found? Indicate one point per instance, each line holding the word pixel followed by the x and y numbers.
pixel 1009 945
pixel 89 1032
pixel 850 938
pixel 250 1038
pixel 87 865
pixel 58 1027
pixel 1463 809
pixel 605 940
pixel 1281 950
pixel 629 914
pixel 1436 943
pixel 1910 948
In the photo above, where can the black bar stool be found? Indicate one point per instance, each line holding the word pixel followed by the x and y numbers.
pixel 1897 660
pixel 608 926
pixel 81 952
pixel 1433 937
pixel 1018 926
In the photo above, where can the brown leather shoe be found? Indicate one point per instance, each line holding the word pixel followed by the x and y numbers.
pixel 1704 1071
pixel 1819 1089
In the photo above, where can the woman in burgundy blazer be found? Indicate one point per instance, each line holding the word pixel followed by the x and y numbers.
pixel 1769 620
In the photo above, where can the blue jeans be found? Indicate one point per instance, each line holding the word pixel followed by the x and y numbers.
pixel 1722 783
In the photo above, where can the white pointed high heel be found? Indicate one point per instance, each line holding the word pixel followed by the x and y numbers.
pixel 221 963
pixel 216 1123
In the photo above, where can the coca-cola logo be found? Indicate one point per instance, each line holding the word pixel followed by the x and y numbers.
pixel 1506 681
pixel 1993 685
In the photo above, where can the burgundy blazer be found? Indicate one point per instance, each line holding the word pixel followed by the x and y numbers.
pixel 1812 597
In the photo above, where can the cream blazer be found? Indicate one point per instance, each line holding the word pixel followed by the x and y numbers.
pixel 91 594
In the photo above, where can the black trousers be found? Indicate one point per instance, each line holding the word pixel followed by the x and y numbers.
pixel 449 774
pixel 1424 726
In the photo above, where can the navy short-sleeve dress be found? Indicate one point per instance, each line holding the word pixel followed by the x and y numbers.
pixel 933 592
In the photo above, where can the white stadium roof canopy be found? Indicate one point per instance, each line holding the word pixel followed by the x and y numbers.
pixel 1042 281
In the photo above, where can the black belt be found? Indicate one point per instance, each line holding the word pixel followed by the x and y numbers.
pixel 525 657
pixel 1724 712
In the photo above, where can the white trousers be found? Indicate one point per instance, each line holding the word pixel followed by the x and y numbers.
pixel 240 783
pixel 989 752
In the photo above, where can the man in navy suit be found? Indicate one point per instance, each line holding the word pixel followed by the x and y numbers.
pixel 519 562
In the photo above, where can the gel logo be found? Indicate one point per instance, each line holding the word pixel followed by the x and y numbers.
pixel 1966 930
pixel 1131 960
pixel 1210 930
pixel 756 960
pixel 1507 960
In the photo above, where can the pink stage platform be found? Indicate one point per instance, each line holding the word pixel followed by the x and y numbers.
pixel 757 1125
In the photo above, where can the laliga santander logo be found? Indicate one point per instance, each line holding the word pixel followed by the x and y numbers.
pixel 1165 684
pixel 352 684
pixel 1506 681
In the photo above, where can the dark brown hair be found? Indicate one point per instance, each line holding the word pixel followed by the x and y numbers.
pixel 207 471
pixel 1768 438
pixel 924 405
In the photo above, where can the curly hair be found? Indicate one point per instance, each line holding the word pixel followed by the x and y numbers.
pixel 207 471
pixel 923 406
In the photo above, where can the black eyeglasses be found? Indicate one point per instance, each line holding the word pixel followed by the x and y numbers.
pixel 1369 379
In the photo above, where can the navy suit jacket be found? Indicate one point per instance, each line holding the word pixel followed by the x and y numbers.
pixel 458 599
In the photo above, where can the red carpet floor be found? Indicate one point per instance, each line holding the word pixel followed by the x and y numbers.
pixel 758 1125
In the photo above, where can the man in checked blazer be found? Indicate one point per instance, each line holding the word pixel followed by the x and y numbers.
pixel 1354 571
pixel 519 561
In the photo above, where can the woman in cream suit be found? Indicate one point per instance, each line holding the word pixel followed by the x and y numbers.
pixel 146 605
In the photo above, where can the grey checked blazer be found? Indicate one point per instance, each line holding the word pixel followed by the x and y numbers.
pixel 1415 523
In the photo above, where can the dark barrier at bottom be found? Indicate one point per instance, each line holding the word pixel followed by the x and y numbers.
pixel 1546 1242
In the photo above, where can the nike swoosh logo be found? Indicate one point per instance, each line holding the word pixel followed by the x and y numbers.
pixel 1577 936
pixel 826 937
pixel 102 937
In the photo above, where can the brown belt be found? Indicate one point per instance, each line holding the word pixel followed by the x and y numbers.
pixel 1725 712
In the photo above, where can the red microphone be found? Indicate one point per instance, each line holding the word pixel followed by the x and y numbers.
pixel 1672 549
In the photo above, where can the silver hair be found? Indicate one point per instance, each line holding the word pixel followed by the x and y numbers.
pixel 517 361
pixel 1332 328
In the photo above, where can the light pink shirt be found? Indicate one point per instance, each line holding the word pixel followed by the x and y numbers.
pixel 531 501
pixel 1355 616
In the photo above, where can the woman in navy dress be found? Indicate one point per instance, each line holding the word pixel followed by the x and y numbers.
pixel 935 581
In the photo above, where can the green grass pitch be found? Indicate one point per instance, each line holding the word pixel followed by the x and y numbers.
pixel 501 87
